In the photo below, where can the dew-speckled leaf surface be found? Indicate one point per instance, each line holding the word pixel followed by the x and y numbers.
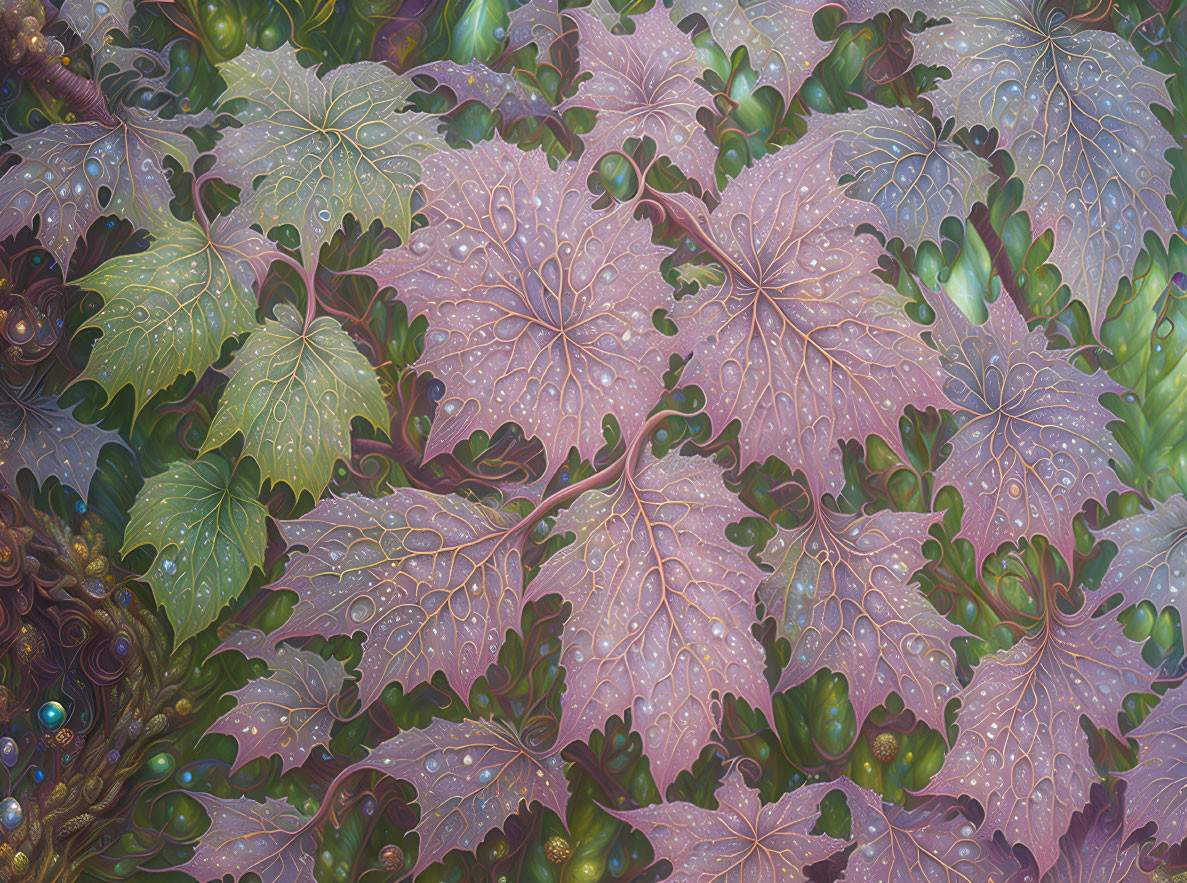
pixel 841 594
pixel 474 81
pixel 1151 560
pixel 71 174
pixel 662 609
pixel 903 168
pixel 1158 784
pixel 208 530
pixel 802 344
pixel 539 306
pixel 287 712
pixel 1093 849
pixel 1073 105
pixel 167 311
pixel 326 147
pixel 469 778
pixel 37 435
pixel 540 22
pixel 1021 751
pixel 933 843
pixel 433 583
pixel 1033 444
pixel 292 394
pixel 741 841
pixel 643 84
pixel 92 20
pixel 249 837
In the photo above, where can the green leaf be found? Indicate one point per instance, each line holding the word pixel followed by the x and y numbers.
pixel 169 310
pixel 208 530
pixel 293 393
pixel 325 147
pixel 480 32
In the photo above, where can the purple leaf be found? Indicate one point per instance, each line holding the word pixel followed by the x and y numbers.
pixel 644 84
pixel 935 842
pixel 663 605
pixel 741 841
pixel 1091 850
pixel 802 344
pixel 248 837
pixel 1021 751
pixel 469 778
pixel 1073 105
pixel 286 713
pixel 474 81
pixel 1033 444
pixel 539 307
pixel 92 20
pixel 1158 784
pixel 540 22
pixel 840 593
pixel 37 435
pixel 433 583
pixel 1151 557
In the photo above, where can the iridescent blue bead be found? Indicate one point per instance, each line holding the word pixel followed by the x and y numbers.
pixel 8 752
pixel 51 715
pixel 38 775
pixel 11 814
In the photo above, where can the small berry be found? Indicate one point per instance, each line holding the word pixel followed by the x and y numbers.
pixel 886 747
pixel 391 857
pixel 557 849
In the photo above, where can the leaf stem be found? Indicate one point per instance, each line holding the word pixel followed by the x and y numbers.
pixel 84 97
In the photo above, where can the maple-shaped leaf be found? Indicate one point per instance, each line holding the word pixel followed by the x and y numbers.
pixel 902 167
pixel 802 344
pixel 246 837
pixel 935 842
pixel 541 22
pixel 1022 751
pixel 1151 557
pixel 474 81
pixel 539 306
pixel 70 174
pixel 1032 445
pixel 1073 106
pixel 643 84
pixel 169 310
pixel 292 394
pixel 432 581
pixel 841 593
pixel 208 529
pixel 741 841
pixel 1158 784
pixel 286 713
pixel 324 147
pixel 778 35
pixel 469 778
pixel 1093 850
pixel 93 20
pixel 663 605
pixel 37 435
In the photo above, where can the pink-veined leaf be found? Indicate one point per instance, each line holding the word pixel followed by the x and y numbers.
pixel 644 84
pixel 469 778
pixel 936 843
pixel 248 837
pixel 1151 557
pixel 1093 849
pixel 433 583
pixel 1021 751
pixel 802 344
pixel 1158 784
pixel 902 167
pixel 663 605
pixel 71 174
pixel 741 841
pixel 287 712
pixel 93 20
pixel 1073 106
pixel 1033 444
pixel 541 22
pixel 474 81
pixel 841 595
pixel 37 435
pixel 539 307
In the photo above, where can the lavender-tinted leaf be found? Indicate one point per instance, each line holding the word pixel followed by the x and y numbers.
pixel 662 609
pixel 1091 850
pixel 539 307
pixel 37 435
pixel 540 22
pixel 474 81
pixel 469 778
pixel 841 594
pixel 1073 106
pixel 246 837
pixel 1021 751
pixel 92 20
pixel 1151 557
pixel 286 713
pixel 433 582
pixel 741 841
pixel 802 344
pixel 1158 784
pixel 1033 444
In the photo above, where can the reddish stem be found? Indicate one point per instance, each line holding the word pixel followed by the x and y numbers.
pixel 84 97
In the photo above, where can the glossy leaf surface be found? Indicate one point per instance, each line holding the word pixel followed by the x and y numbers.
pixel 249 837
pixel 1158 784
pixel 1151 557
